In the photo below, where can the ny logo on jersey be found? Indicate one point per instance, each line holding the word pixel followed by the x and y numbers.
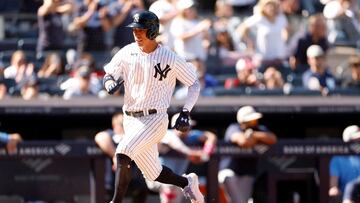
pixel 162 73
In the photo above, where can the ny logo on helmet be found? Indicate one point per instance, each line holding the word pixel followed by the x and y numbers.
pixel 162 73
pixel 136 18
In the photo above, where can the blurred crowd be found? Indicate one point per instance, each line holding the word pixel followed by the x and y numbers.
pixel 264 47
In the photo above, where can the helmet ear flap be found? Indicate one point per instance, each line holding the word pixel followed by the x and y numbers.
pixel 152 32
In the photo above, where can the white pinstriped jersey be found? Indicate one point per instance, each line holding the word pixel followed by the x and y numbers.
pixel 149 79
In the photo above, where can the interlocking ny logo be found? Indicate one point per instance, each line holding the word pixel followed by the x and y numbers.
pixel 162 73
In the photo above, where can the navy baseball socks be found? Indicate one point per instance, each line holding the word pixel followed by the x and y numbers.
pixel 122 177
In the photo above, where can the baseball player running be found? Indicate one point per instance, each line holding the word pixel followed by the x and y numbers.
pixel 149 72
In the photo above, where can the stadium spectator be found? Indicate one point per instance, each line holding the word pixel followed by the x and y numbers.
pixel 52 66
pixel 316 34
pixel 90 24
pixel 292 12
pixel 354 80
pixel 227 44
pixel 238 174
pixel 29 88
pixel 19 67
pixel 166 11
pixel 273 79
pixel 120 14
pixel 51 31
pixel 190 34
pixel 82 84
pixel 180 142
pixel 3 88
pixel 246 75
pixel 344 169
pixel 107 141
pixel 318 77
pixel 344 21
pixel 270 28
pixel 11 140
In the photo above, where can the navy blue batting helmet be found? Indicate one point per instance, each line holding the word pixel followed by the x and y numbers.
pixel 146 20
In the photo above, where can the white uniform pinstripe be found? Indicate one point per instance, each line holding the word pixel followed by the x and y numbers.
pixel 149 82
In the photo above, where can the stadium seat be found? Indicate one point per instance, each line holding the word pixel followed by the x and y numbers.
pixel 295 80
pixel 7 6
pixel 301 91
pixel 101 57
pixel 345 92
pixel 27 44
pixel 263 92
pixel 50 85
pixel 8 44
pixel 221 91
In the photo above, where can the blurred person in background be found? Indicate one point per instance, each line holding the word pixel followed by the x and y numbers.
pixel 273 79
pixel 120 14
pixel 3 88
pixel 344 169
pixel 270 29
pixel 316 34
pixel 11 140
pixel 90 23
pixel 166 11
pixel 181 142
pixel 107 141
pixel 82 84
pixel 51 31
pixel 353 81
pixel 52 66
pixel 190 33
pixel 238 174
pixel 318 77
pixel 246 75
pixel 227 42
pixel 344 21
pixel 29 88
pixel 19 67
pixel 292 11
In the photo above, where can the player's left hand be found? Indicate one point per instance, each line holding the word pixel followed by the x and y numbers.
pixel 183 121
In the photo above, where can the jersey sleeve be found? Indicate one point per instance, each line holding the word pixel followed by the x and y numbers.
pixel 115 66
pixel 185 72
pixel 334 167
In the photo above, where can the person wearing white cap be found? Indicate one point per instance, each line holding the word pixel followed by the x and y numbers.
pixel 344 169
pixel 189 31
pixel 238 174
pixel 318 77
pixel 180 142
pixel 246 75
pixel 166 11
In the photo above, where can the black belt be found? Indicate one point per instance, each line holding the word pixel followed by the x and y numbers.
pixel 140 113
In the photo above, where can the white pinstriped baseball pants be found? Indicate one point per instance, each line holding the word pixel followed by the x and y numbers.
pixel 140 142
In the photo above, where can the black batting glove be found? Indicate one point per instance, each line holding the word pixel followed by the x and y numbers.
pixel 183 121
